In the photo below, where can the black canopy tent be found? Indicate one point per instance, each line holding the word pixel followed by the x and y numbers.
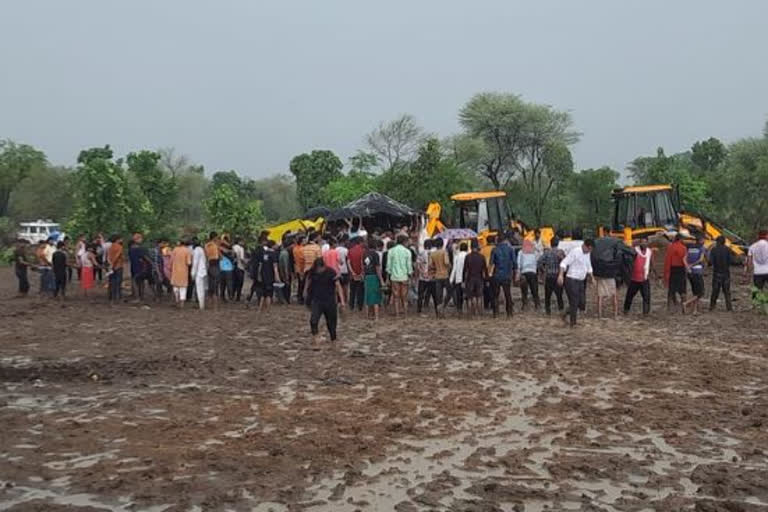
pixel 317 212
pixel 380 210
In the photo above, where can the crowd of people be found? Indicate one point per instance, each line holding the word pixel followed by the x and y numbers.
pixel 393 269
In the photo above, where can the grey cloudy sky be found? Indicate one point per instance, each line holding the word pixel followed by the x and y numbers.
pixel 246 85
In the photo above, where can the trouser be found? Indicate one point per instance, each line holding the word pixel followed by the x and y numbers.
pixel 300 288
pixel 213 277
pixel 487 294
pixel 23 277
pixel 458 297
pixel 329 311
pixel 46 280
pixel 721 282
pixel 550 287
pixel 530 282
pixel 225 285
pixel 284 293
pixel 115 284
pixel 356 294
pixel 645 290
pixel 426 290
pixel 506 286
pixel 139 280
pixel 98 273
pixel 760 280
pixel 69 274
pixel 439 288
pixel 60 285
pixel 238 280
pixel 574 288
pixel 255 284
pixel 200 290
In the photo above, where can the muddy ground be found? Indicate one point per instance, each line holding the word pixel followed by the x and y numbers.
pixel 149 408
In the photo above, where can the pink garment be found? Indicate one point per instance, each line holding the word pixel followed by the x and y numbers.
pixel 167 265
pixel 331 259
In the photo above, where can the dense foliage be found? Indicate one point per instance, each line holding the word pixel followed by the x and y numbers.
pixel 505 143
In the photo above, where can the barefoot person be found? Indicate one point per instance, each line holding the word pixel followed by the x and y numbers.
pixel 21 266
pixel 321 289
pixel 639 280
pixel 674 272
pixel 475 274
pixel 181 259
pixel 400 268
pixel 574 270
pixel 694 266
pixel 373 280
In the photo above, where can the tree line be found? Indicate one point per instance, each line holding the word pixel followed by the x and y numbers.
pixel 505 143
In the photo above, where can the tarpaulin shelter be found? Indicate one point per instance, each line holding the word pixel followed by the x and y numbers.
pixel 381 210
pixel 316 213
pixel 276 232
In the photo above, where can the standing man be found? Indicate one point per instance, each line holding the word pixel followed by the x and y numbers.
pixel 298 267
pixel 439 270
pixel 720 259
pixel 457 277
pixel 639 280
pixel 212 255
pixel 674 272
pixel 475 274
pixel 425 278
pixel 60 264
pixel 527 264
pixel 694 265
pixel 574 270
pixel 757 260
pixel 21 266
pixel 199 272
pixel 504 266
pixel 240 266
pixel 400 268
pixel 356 286
pixel 486 251
pixel 549 266
pixel 343 253
pixel 181 259
pixel 286 270
pixel 116 260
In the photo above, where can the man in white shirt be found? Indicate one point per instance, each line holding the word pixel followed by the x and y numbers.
pixel 574 269
pixel 757 260
pixel 457 276
pixel 343 253
pixel 240 268
pixel 199 271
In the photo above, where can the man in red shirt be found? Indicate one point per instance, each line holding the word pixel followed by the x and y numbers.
pixel 639 280
pixel 356 284
pixel 674 272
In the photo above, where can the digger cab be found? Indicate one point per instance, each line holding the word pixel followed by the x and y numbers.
pixel 644 210
pixel 483 212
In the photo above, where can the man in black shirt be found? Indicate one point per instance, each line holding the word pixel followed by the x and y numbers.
pixel 59 263
pixel 21 265
pixel 720 259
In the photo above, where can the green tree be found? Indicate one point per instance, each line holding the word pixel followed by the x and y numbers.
pixel 742 199
pixel 16 163
pixel 46 193
pixel 102 201
pixel 512 138
pixel 314 171
pixel 347 188
pixel 589 196
pixel 278 196
pixel 192 185
pixel 158 186
pixel 227 212
pixel 396 142
pixel 707 155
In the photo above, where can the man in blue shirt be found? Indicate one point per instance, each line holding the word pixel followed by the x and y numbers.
pixel 504 266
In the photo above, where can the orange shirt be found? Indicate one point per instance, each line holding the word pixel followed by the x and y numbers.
pixel 676 254
pixel 298 258
pixel 181 259
pixel 311 253
pixel 212 251
pixel 115 255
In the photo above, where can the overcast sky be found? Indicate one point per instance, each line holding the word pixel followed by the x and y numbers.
pixel 246 85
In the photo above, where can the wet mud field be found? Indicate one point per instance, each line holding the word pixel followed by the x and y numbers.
pixel 152 409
